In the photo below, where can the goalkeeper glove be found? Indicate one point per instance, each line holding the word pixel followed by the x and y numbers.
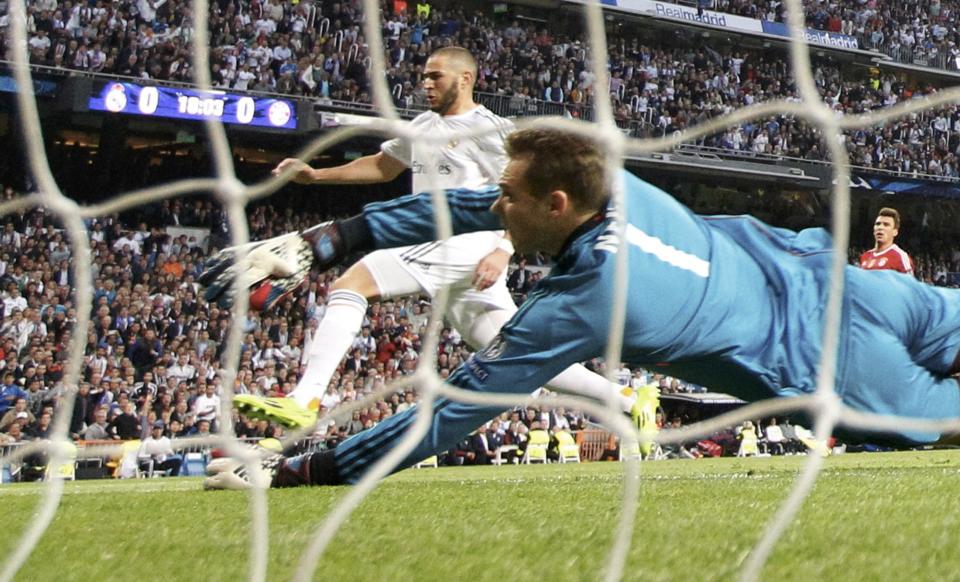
pixel 274 268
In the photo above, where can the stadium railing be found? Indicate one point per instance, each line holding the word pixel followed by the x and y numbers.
pixel 752 156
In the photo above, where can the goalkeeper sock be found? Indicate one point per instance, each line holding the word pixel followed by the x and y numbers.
pixel 333 241
pixel 308 469
pixel 334 336
pixel 356 234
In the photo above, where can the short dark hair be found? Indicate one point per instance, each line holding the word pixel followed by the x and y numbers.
pixel 460 56
pixel 891 213
pixel 562 160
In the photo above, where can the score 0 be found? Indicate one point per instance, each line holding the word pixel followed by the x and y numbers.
pixel 148 101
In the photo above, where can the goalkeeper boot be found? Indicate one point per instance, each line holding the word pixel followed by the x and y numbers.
pixel 233 474
pixel 222 462
pixel 274 471
pixel 285 411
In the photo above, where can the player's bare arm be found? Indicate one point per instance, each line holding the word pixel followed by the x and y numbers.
pixel 372 169
pixel 493 265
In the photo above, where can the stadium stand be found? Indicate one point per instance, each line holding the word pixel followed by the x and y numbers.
pixel 315 50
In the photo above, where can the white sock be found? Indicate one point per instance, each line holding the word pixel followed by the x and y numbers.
pixel 575 380
pixel 579 381
pixel 332 339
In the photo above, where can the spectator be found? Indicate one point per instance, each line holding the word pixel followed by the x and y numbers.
pixel 519 281
pixel 41 429
pixel 19 414
pixel 773 437
pixel 485 442
pixel 98 430
pixel 125 426
pixel 10 392
pixel 157 450
pixel 207 407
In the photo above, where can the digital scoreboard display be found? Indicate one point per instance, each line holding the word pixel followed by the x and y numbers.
pixel 179 103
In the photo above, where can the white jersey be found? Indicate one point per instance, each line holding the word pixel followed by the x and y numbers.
pixel 473 161
pixel 462 162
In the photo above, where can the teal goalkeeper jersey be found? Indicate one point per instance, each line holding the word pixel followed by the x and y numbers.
pixel 724 301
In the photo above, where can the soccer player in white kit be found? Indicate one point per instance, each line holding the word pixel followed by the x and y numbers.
pixel 472 265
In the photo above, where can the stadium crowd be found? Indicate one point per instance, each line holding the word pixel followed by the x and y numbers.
pixel 316 49
pixel 918 31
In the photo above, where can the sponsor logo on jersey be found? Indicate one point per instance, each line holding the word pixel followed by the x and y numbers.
pixel 493 350
pixel 476 368
pixel 443 168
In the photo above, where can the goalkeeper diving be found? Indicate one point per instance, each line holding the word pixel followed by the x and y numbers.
pixel 724 301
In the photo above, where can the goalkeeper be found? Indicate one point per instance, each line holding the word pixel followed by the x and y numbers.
pixel 722 301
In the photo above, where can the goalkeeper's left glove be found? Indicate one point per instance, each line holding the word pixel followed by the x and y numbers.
pixel 273 269
pixel 283 261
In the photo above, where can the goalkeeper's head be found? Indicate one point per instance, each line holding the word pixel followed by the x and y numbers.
pixel 555 181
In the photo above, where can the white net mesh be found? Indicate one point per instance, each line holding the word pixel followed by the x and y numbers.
pixel 824 405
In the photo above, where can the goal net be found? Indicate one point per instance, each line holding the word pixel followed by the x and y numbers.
pixel 824 405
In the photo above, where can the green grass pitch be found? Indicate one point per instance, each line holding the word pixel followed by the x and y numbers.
pixel 886 516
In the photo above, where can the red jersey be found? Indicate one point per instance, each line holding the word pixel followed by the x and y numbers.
pixel 894 258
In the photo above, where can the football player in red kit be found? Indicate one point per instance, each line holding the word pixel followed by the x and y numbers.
pixel 886 254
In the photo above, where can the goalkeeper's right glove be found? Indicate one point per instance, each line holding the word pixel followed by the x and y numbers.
pixel 274 268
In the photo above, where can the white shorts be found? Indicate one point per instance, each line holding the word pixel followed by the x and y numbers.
pixel 428 267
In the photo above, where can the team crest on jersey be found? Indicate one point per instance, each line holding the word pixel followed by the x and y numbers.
pixel 453 143
pixel 882 262
pixel 493 350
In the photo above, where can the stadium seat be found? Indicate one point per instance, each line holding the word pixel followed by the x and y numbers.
pixel 66 470
pixel 567 448
pixel 194 464
pixel 124 465
pixel 504 456
pixel 630 450
pixel 144 467
pixel 748 441
pixel 428 462
pixel 536 447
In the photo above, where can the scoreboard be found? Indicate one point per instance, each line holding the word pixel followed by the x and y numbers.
pixel 182 103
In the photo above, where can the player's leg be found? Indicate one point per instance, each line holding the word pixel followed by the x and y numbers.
pixel 925 318
pixel 878 375
pixel 451 422
pixel 379 274
pixel 346 308
pixel 479 315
